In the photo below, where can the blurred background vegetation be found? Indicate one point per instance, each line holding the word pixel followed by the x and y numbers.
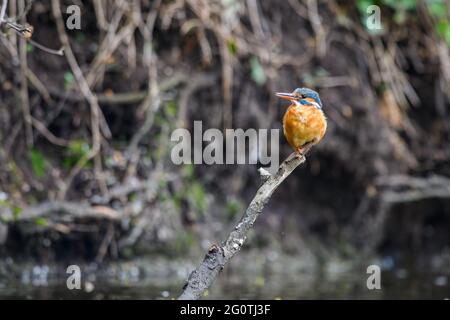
pixel 86 175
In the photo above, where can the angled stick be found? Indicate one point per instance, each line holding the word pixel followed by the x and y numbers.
pixel 218 256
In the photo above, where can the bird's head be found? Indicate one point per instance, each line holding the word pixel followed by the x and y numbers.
pixel 303 96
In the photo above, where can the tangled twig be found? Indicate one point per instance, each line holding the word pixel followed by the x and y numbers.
pixel 3 11
pixel 96 113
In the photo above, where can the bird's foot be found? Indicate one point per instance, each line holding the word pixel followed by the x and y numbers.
pixel 303 150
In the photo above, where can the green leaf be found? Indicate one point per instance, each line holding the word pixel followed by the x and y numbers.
pixel 257 72
pixel 400 17
pixel 362 6
pixel 37 163
pixel 233 208
pixel 78 148
pixel 188 170
pixel 437 8
pixel 408 4
pixel 443 29
pixel 41 222
pixel 197 196
pixel 17 211
pixel 171 108
pixel 69 80
pixel 160 120
pixel 260 281
pixel 401 4
pixel 447 35
pixel 232 46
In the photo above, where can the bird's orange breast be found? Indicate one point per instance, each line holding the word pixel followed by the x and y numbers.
pixel 303 124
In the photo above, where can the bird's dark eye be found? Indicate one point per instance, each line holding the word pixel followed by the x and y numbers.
pixel 302 96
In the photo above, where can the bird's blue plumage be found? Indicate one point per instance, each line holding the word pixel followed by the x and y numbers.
pixel 308 93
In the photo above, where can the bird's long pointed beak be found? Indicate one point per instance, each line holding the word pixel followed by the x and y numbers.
pixel 286 96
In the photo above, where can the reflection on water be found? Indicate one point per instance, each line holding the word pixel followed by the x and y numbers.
pixel 285 278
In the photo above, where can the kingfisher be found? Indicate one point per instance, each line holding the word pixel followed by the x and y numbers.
pixel 304 123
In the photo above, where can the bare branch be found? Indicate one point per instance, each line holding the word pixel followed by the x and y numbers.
pixel 59 52
pixel 24 95
pixel 97 119
pixel 68 210
pixel 404 188
pixel 3 11
pixel 218 256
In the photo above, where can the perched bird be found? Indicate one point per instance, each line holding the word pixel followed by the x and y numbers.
pixel 304 123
